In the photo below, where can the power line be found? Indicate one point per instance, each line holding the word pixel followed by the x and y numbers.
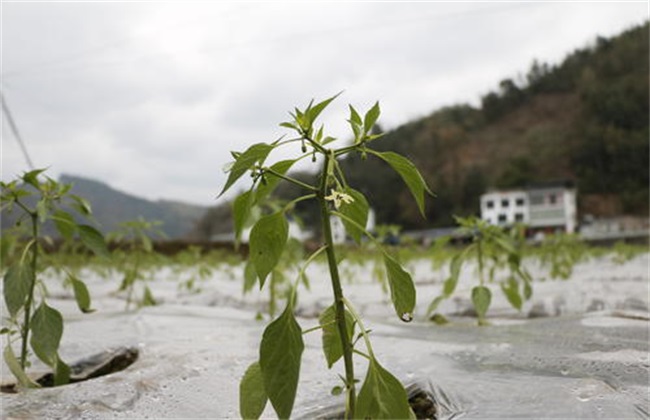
pixel 14 130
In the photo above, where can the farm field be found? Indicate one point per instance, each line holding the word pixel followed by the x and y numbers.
pixel 578 348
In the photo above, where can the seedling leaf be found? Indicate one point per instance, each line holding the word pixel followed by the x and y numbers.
pixel 454 269
pixel 64 223
pixel 371 117
pixel 382 396
pixel 409 173
pixel 332 346
pixel 402 290
pixel 61 372
pixel 314 112
pixel 511 290
pixel 47 329
pixel 267 241
pixel 256 153
pixel 281 167
pixel 16 285
pixel 357 210
pixel 14 366
pixel 93 239
pixel 81 295
pixel 481 298
pixel 280 357
pixel 252 394
pixel 241 209
pixel 250 276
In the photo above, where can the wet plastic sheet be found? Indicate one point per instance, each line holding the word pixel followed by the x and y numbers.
pixel 195 348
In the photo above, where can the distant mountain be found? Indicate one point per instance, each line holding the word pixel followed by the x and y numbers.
pixel 111 207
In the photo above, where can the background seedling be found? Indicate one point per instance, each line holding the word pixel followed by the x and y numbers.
pixel 493 248
pixel 134 237
pixel 32 321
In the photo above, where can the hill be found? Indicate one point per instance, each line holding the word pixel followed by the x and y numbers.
pixel 111 207
pixel 585 119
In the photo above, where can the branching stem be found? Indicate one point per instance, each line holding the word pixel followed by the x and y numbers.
pixel 339 304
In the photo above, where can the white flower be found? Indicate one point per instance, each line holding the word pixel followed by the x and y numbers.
pixel 339 198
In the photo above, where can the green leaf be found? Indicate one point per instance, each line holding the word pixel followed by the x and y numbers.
pixel 355 118
pixel 382 396
pixel 313 112
pixel 14 366
pixel 511 291
pixel 272 181
pixel 481 297
pixel 434 304
pixel 528 290
pixel 402 290
pixel 280 358
pixel 506 244
pixel 64 223
pixel 147 298
pixel 250 276
pixel 81 295
pixel 409 173
pixel 332 346
pixel 16 286
pixel 93 240
pixel 61 373
pixel 241 210
pixel 31 177
pixel 256 153
pixel 289 125
pixel 439 319
pixel 371 117
pixel 267 241
pixel 454 272
pixel 47 329
pixel 357 210
pixel 81 205
pixel 252 394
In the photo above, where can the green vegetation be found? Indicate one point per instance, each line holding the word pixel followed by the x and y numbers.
pixel 274 377
pixel 136 245
pixel 41 325
pixel 492 248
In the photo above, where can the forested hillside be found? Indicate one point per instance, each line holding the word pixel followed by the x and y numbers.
pixel 585 119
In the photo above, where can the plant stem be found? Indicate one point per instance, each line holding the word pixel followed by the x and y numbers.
pixel 30 295
pixel 339 303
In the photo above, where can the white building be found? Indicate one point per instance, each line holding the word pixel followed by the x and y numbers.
pixel 546 208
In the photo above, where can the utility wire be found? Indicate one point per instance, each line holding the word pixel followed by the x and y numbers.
pixel 14 130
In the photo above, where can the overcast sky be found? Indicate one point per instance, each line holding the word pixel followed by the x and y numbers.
pixel 150 97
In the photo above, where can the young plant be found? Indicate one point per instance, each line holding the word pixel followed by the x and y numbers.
pixel 492 248
pixel 274 377
pixel 31 320
pixel 561 252
pixel 135 238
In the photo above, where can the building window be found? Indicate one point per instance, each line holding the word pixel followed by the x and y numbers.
pixel 519 202
pixel 502 218
pixel 489 204
pixel 519 217
pixel 536 199
pixel 505 202
pixel 552 198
